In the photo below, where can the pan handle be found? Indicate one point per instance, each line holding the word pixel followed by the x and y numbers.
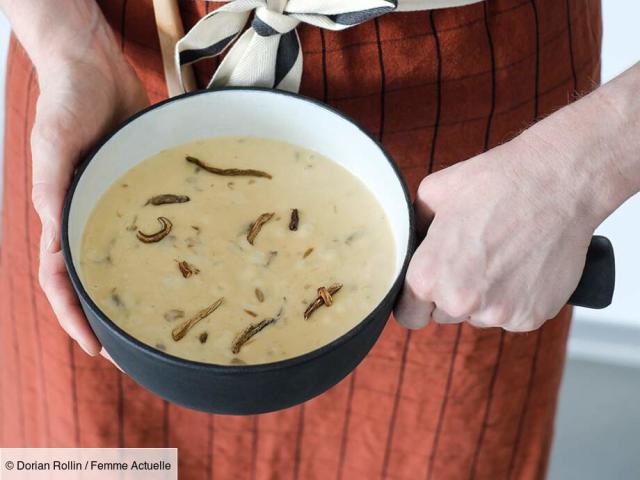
pixel 596 285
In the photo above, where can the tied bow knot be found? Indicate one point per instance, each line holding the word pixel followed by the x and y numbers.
pixel 267 22
pixel 268 54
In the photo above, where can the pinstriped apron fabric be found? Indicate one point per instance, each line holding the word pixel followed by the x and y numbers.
pixel 448 402
pixel 268 54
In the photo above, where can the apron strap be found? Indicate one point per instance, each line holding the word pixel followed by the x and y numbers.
pixel 170 30
pixel 268 53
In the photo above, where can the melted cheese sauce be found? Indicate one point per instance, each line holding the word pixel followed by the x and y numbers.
pixel 343 236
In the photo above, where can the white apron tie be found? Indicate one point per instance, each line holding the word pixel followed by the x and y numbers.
pixel 269 54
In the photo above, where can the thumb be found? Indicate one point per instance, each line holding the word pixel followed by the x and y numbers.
pixel 424 205
pixel 47 200
pixel 52 169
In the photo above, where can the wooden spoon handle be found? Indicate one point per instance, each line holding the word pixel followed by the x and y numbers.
pixel 170 30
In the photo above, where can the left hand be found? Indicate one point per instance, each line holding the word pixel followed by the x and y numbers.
pixel 84 94
pixel 507 243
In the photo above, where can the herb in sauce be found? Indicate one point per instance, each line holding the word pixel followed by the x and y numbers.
pixel 159 235
pixel 308 252
pixel 250 312
pixel 167 198
pixel 116 299
pixel 253 329
pixel 354 236
pixel 272 255
pixel 249 332
pixel 259 295
pixel 192 242
pixel 295 219
pixel 324 298
pixel 228 172
pixel 257 226
pixel 181 330
pixel 187 269
pixel 203 337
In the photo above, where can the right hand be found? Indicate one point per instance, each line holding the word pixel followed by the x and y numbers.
pixel 83 96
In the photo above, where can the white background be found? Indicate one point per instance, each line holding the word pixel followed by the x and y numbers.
pixel 599 417
pixel 621 48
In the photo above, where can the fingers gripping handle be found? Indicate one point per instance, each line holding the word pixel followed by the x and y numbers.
pixel 596 285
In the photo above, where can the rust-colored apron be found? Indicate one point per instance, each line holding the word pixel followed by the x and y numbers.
pixel 446 402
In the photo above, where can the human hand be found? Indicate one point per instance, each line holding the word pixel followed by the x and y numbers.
pixel 507 243
pixel 83 95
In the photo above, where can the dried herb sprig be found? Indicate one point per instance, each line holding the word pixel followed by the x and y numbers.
pixel 324 298
pixel 167 198
pixel 257 226
pixel 228 172
pixel 187 269
pixel 181 330
pixel 295 219
pixel 159 235
pixel 249 332
pixel 253 329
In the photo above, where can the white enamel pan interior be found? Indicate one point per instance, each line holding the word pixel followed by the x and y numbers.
pixel 251 112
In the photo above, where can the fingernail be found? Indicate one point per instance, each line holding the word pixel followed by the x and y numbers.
pixel 86 349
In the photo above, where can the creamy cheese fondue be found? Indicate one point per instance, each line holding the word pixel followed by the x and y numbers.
pixel 237 250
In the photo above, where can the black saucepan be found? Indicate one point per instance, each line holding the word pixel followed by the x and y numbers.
pixel 249 389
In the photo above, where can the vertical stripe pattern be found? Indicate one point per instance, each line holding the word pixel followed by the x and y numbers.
pixel 442 402
pixel 496 366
